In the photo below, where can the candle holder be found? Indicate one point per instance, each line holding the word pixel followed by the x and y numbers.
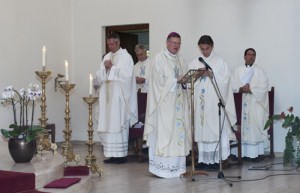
pixel 43 75
pixel 90 160
pixel 43 142
pixel 67 148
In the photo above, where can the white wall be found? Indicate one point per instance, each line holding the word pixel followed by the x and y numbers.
pixel 270 26
pixel 26 26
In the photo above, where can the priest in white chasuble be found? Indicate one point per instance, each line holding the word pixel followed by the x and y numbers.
pixel 252 81
pixel 117 100
pixel 167 126
pixel 206 107
pixel 142 68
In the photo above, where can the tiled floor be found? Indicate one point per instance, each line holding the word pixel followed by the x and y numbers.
pixel 133 177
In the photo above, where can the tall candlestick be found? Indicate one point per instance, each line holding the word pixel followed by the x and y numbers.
pixel 67 70
pixel 44 57
pixel 91 83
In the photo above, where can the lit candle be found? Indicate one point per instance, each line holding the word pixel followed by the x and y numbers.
pixel 67 70
pixel 44 57
pixel 91 85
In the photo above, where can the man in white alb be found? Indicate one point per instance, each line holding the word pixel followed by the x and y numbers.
pixel 117 100
pixel 167 127
pixel 207 105
pixel 141 68
pixel 252 81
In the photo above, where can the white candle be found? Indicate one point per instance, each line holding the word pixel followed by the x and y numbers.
pixel 44 57
pixel 67 70
pixel 91 84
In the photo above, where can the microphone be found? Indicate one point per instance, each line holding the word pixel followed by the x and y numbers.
pixel 206 65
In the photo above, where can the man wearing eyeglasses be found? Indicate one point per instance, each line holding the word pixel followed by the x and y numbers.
pixel 167 117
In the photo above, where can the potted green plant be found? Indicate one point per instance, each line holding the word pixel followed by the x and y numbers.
pixel 22 132
pixel 292 140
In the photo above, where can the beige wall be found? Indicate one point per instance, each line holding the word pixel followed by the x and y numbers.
pixel 73 30
pixel 25 27
pixel 270 26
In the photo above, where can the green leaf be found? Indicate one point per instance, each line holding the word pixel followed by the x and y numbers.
pixel 5 133
pixel 15 133
pixel 276 117
pixel 268 123
pixel 297 120
pixel 13 126
pixel 29 132
pixel 36 128
pixel 288 121
pixel 29 138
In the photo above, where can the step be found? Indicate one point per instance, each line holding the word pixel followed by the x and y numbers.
pixel 46 167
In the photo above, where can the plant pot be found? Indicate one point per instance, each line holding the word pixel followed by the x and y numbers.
pixel 20 150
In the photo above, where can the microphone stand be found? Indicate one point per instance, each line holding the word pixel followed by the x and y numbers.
pixel 220 105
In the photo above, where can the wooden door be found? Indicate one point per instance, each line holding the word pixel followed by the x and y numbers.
pixel 129 41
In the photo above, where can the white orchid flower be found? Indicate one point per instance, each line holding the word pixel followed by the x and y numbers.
pixel 39 93
pixel 22 103
pixel 33 86
pixel 8 93
pixel 9 88
pixel 22 92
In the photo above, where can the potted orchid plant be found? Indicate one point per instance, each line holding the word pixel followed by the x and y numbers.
pixel 23 104
pixel 23 107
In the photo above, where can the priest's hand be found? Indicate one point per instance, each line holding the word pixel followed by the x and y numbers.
pixel 96 87
pixel 180 80
pixel 200 72
pixel 245 89
pixel 108 64
pixel 140 80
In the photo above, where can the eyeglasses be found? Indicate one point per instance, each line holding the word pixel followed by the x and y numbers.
pixel 174 43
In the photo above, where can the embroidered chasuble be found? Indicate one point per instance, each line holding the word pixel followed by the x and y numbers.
pixel 255 108
pixel 206 110
pixel 167 125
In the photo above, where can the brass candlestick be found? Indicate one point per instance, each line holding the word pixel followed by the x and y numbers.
pixel 43 142
pixel 67 148
pixel 90 159
pixel 43 75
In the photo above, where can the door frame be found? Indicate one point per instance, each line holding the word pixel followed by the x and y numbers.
pixel 124 28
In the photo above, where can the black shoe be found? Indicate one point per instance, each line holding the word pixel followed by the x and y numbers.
pixel 120 160
pixel 145 150
pixel 233 158
pixel 201 166
pixel 213 167
pixel 259 158
pixel 247 159
pixel 110 160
